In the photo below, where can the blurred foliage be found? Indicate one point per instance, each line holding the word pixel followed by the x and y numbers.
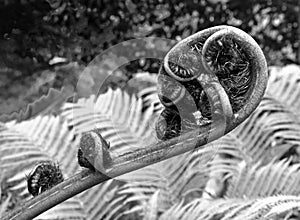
pixel 33 33
pixel 80 30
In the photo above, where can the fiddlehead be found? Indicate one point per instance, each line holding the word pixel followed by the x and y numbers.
pixel 214 92
pixel 93 152
pixel 44 177
pixel 216 71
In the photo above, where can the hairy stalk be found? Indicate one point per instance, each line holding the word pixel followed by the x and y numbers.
pixel 122 164
pixel 154 153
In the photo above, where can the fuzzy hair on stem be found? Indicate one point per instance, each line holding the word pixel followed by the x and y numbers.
pixel 194 139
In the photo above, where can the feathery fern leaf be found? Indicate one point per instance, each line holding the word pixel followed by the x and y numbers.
pixel 254 181
pixel 18 157
pixel 27 143
pixel 151 209
pixel 270 131
pixel 284 86
pixel 51 136
pixel 102 201
pixel 70 209
pixel 173 177
pixel 234 209
pixel 119 118
pixel 275 126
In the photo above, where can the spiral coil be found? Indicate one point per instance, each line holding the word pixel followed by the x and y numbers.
pixel 212 73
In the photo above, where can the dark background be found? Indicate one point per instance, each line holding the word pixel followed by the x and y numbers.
pixel 34 32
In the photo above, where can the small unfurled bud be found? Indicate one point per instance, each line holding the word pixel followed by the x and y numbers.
pixel 44 176
pixel 93 152
pixel 168 124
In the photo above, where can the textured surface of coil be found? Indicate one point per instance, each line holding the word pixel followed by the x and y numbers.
pixel 211 73
pixel 44 176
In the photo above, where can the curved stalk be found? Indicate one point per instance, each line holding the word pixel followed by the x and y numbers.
pixel 121 165
pixel 161 151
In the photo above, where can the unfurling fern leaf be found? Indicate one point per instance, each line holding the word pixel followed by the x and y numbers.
pixel 262 139
pixel 25 144
pixel 44 177
pixel 59 138
pixel 126 121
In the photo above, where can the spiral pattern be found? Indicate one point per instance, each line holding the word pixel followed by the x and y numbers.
pixel 212 74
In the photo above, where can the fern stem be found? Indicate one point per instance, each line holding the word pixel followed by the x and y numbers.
pixel 161 151
pixel 59 193
pixel 123 164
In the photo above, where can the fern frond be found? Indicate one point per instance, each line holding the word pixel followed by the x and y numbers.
pixel 45 138
pixel 18 156
pixel 102 202
pixel 269 132
pixel 268 207
pixel 174 212
pixel 284 86
pixel 70 209
pixel 254 180
pixel 235 209
pixel 151 209
pixel 118 117
pixel 52 136
pixel 4 204
pixel 174 177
